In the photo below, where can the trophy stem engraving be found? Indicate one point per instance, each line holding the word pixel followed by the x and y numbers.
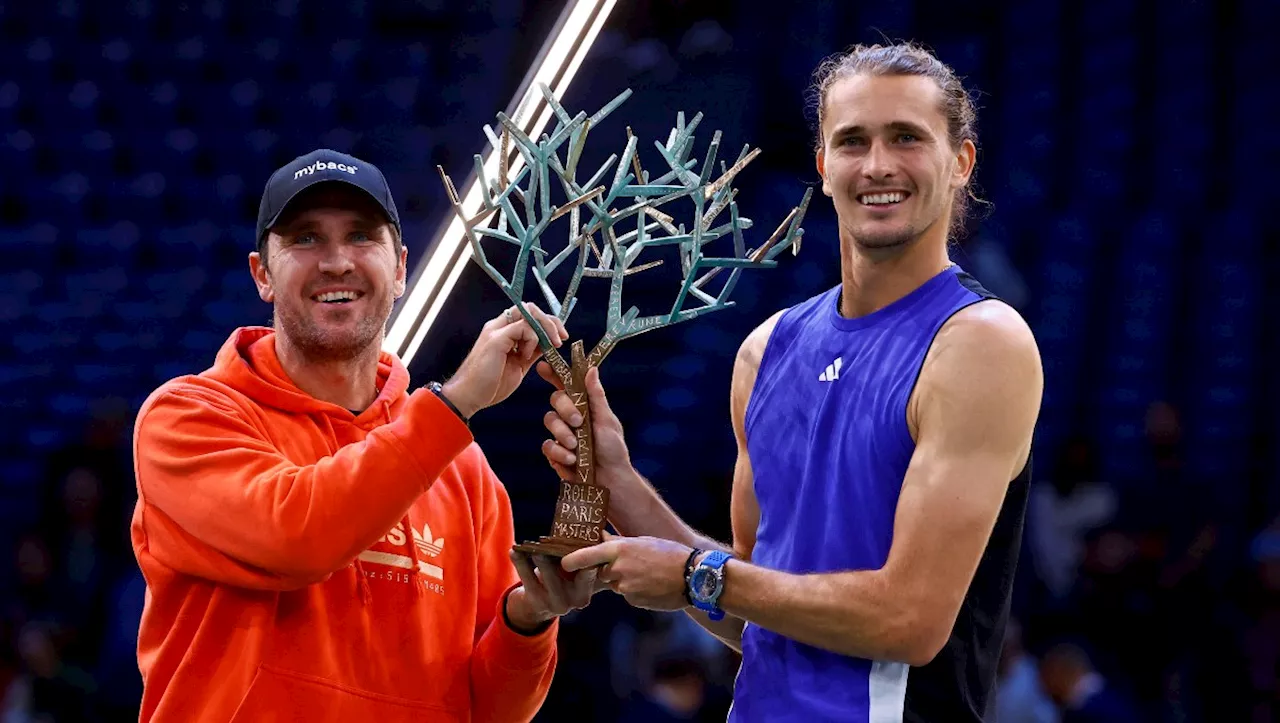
pixel 592 208
pixel 577 391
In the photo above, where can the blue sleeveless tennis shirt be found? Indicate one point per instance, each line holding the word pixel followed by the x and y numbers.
pixel 829 445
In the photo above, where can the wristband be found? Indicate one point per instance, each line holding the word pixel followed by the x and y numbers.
pixel 506 619
pixel 438 389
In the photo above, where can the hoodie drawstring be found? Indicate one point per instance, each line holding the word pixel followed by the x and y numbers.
pixel 365 593
pixel 413 560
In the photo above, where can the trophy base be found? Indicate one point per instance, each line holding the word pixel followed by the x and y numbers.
pixel 551 547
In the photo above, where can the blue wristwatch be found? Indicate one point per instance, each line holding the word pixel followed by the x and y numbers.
pixel 706 582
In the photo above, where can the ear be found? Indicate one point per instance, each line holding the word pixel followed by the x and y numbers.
pixel 820 160
pixel 402 271
pixel 966 158
pixel 261 277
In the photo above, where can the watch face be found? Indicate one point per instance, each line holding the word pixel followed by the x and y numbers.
pixel 704 584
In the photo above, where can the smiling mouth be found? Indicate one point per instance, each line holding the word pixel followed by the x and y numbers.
pixel 337 297
pixel 883 200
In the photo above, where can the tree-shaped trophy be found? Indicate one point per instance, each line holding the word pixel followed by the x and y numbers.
pixel 626 215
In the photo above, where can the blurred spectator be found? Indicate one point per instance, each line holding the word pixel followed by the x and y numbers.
pixel 676 665
pixel 49 690
pixel 1081 692
pixel 677 691
pixel 34 591
pixel 1261 641
pixel 1020 695
pixel 1072 504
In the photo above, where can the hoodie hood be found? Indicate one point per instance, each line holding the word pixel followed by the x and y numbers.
pixel 247 362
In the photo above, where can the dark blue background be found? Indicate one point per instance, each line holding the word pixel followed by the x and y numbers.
pixel 1127 157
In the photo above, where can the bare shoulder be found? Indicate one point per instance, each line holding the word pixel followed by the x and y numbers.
pixel 986 336
pixel 752 348
pixel 747 365
pixel 984 361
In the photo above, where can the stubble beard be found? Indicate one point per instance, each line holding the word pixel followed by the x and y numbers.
pixel 319 344
pixel 885 241
pixel 889 241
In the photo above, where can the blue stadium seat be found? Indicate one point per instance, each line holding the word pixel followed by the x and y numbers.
pixel 893 19
pixel 1107 19
pixel 180 247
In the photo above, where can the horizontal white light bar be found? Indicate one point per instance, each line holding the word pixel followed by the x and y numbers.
pixel 427 294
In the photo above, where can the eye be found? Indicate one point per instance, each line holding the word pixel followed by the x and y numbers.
pixel 360 237
pixel 851 141
pixel 907 138
pixel 304 239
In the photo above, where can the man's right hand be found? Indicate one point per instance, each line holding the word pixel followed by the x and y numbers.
pixel 501 357
pixel 612 460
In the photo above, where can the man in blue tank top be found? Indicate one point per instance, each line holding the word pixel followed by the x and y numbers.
pixel 884 430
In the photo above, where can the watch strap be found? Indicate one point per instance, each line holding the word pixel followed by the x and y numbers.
pixel 714 560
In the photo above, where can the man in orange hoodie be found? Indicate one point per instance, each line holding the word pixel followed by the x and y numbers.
pixel 320 544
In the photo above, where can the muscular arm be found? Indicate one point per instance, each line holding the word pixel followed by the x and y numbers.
pixel 636 509
pixel 973 414
pixel 744 509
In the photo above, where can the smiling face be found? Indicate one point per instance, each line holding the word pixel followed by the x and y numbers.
pixel 886 159
pixel 332 268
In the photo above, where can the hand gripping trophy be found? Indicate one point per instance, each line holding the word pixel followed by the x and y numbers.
pixel 626 215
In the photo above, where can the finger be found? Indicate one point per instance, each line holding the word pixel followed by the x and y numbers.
pixel 514 332
pixel 563 435
pixel 584 585
pixel 528 578
pixel 549 375
pixel 565 472
pixel 557 454
pixel 516 336
pixel 566 410
pixel 552 583
pixel 609 535
pixel 591 556
pixel 553 453
pixel 529 351
pixel 547 322
pixel 595 395
pixel 509 316
pixel 564 331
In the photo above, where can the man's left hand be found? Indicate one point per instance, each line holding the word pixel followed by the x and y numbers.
pixel 546 592
pixel 647 571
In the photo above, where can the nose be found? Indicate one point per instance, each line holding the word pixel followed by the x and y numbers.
pixel 335 260
pixel 878 163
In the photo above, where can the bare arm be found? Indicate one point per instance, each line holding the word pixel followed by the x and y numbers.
pixel 635 507
pixel 744 508
pixel 974 413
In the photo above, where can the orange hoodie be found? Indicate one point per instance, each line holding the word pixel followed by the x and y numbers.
pixel 304 563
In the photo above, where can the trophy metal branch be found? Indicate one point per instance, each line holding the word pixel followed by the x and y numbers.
pixel 582 508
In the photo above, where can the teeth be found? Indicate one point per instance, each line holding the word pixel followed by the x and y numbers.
pixel 338 296
pixel 878 198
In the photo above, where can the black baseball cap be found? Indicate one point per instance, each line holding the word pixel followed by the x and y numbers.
pixel 319 166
